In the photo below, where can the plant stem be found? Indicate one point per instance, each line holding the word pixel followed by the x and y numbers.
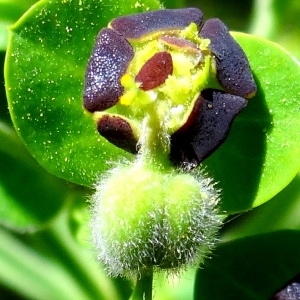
pixel 154 142
pixel 263 19
pixel 143 288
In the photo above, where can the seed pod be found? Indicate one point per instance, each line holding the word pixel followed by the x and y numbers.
pixel 146 218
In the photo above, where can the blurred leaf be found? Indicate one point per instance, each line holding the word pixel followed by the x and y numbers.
pixel 46 60
pixel 250 268
pixel 287 24
pixel 279 21
pixel 29 196
pixel 10 12
pixel 50 264
pixel 33 275
pixel 4 113
pixel 175 287
pixel 173 3
pixel 261 155
pixel 235 14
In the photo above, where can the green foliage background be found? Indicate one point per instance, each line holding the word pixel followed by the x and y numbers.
pixel 45 251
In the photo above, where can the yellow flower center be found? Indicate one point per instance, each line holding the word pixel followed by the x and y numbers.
pixel 174 93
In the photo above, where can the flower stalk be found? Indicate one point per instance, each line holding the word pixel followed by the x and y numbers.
pixel 143 287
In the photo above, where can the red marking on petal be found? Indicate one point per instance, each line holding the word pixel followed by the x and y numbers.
pixel 155 71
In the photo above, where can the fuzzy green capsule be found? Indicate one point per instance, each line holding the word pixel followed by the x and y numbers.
pixel 144 217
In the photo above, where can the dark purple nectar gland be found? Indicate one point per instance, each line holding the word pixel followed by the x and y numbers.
pixel 137 26
pixel 233 69
pixel 117 131
pixel 164 66
pixel 111 56
pixel 203 133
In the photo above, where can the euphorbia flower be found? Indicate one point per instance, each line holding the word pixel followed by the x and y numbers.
pixel 162 85
pixel 192 76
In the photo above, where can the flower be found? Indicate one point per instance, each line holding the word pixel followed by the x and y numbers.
pixel 190 78
pixel 167 87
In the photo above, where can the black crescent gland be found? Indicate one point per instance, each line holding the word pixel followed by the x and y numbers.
pixel 137 25
pixel 109 61
pixel 233 70
pixel 118 132
pixel 206 128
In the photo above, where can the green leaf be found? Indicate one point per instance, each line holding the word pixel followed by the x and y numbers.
pixel 280 213
pixel 262 152
pixel 46 60
pixel 45 66
pixel 30 196
pixel 250 268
